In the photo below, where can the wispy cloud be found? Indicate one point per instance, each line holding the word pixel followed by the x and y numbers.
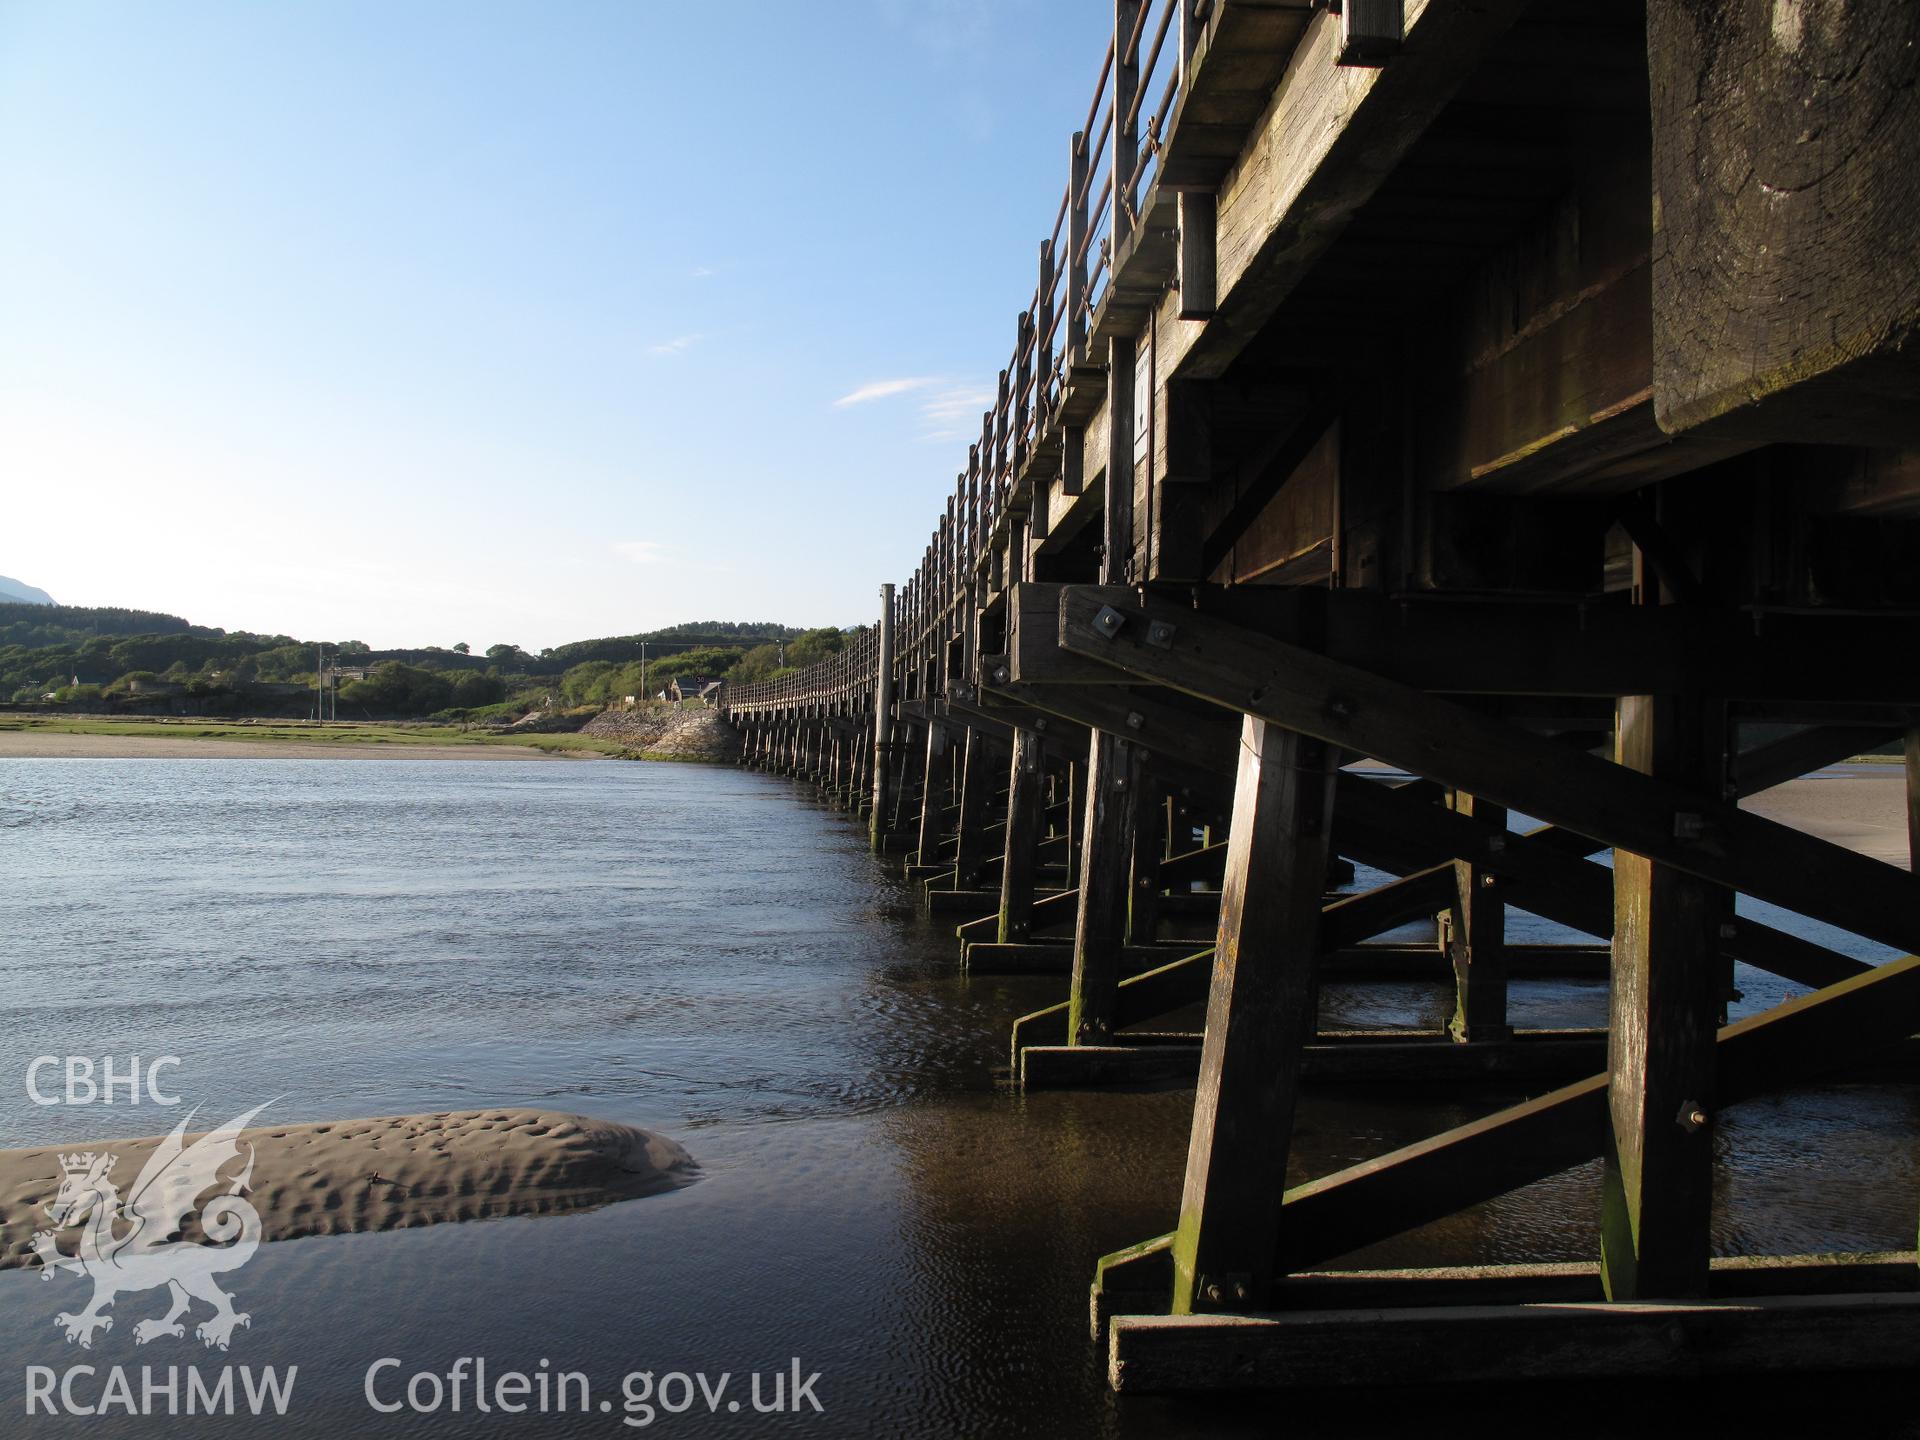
pixel 948 410
pixel 954 403
pixel 702 272
pixel 881 389
pixel 679 344
pixel 642 552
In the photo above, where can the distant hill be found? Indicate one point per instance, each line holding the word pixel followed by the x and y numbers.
pixel 18 591
pixel 45 648
pixel 699 634
pixel 34 623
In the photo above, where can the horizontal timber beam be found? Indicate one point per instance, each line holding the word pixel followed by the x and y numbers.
pixel 1500 647
pixel 1498 1344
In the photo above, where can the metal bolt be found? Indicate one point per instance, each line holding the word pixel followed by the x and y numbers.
pixel 1689 825
pixel 1160 635
pixel 1213 1293
pixel 1135 719
pixel 1341 709
pixel 1109 621
pixel 1000 674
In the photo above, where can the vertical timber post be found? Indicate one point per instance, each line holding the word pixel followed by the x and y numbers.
pixel 1260 1015
pixel 1025 796
pixel 1199 227
pixel 882 722
pixel 1149 849
pixel 1100 921
pixel 1113 765
pixel 1076 807
pixel 933 795
pixel 1657 1194
pixel 970 825
pixel 1913 800
pixel 1477 945
pixel 863 767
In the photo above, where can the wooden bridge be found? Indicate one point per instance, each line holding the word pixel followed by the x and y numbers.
pixel 1519 395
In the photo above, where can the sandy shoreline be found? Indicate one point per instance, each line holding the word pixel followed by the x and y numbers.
pixel 1863 807
pixel 61 745
pixel 396 1171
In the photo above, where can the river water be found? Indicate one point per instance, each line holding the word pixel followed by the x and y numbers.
pixel 709 953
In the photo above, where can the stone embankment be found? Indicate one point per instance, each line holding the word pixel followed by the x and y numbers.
pixel 553 722
pixel 693 733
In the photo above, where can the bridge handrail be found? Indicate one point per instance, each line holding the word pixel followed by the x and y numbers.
pixel 848 673
pixel 1112 161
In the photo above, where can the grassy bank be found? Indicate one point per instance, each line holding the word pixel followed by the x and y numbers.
pixel 343 733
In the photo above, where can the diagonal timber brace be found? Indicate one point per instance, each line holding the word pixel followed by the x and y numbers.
pixel 1397 828
pixel 1308 693
pixel 1346 922
pixel 1790 1044
pixel 1549 881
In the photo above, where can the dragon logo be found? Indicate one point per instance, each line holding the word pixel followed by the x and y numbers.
pixel 136 1243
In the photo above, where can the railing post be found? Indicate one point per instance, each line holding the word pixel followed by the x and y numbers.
pixel 1002 423
pixel 1077 197
pixel 1199 277
pixel 1126 138
pixel 1026 347
pixel 1043 338
pixel 882 720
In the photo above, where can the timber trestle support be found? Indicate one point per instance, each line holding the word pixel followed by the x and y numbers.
pixel 1422 496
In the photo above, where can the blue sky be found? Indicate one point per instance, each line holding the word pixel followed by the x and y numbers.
pixel 418 323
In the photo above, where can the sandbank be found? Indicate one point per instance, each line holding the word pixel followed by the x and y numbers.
pixel 342 1177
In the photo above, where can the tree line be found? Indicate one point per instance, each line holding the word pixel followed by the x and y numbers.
pixel 88 657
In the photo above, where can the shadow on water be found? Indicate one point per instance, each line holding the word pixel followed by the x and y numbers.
pixel 710 953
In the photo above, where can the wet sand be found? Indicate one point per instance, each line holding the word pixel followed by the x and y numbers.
pixel 61 745
pixel 384 1174
pixel 1863 807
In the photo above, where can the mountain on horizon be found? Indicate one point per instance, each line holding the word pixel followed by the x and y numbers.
pixel 20 593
